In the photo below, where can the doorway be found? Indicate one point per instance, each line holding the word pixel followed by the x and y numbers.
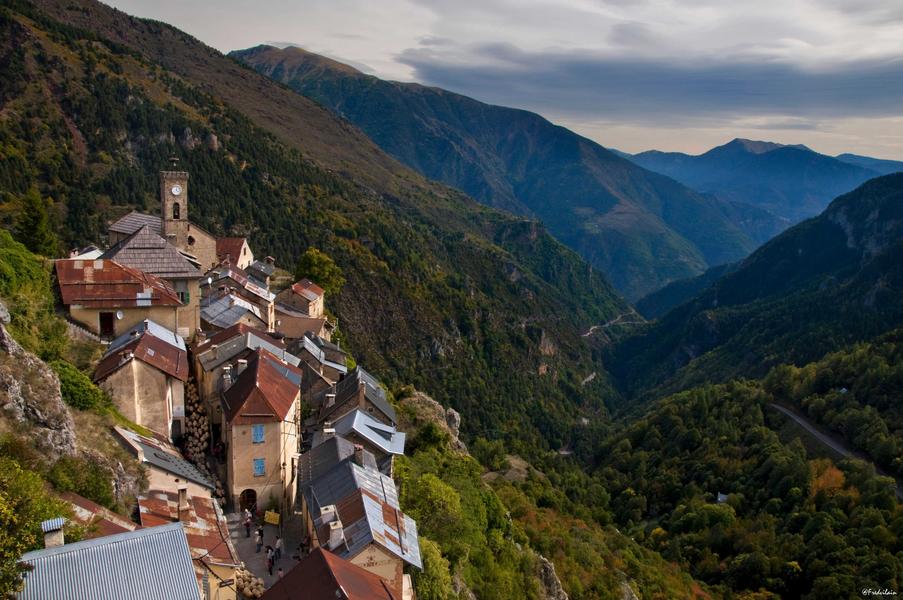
pixel 248 499
pixel 107 324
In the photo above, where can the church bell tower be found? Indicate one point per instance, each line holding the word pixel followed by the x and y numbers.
pixel 174 205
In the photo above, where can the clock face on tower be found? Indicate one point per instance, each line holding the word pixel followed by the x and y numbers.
pixel 176 190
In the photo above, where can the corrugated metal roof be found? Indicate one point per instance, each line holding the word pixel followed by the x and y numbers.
pixel 147 251
pixel 52 524
pixel 108 284
pixel 163 456
pixel 148 348
pixel 344 479
pixel 267 389
pixel 349 387
pixel 150 564
pixel 325 455
pixel 227 309
pixel 134 221
pixel 220 274
pixel 307 289
pixel 224 345
pixel 366 519
pixel 385 437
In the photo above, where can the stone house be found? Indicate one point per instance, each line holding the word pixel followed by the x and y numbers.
pixel 304 297
pixel 226 277
pixel 321 355
pixel 261 412
pixel 358 390
pixel 148 252
pixel 109 298
pixel 144 371
pixel 235 250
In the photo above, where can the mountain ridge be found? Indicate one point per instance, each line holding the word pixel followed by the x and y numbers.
pixel 640 228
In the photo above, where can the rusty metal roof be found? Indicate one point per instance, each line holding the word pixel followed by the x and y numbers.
pixel 147 251
pixel 265 391
pixel 307 289
pixel 230 247
pixel 228 343
pixel 148 348
pixel 324 576
pixel 215 277
pixel 108 284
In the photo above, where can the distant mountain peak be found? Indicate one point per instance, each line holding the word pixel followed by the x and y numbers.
pixel 752 146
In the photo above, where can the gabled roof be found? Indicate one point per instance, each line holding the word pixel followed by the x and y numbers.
pixel 350 386
pixel 307 289
pixel 134 221
pixel 324 576
pixel 385 437
pixel 343 479
pixel 264 267
pixel 226 271
pixel 147 251
pixel 366 519
pixel 151 328
pixel 123 566
pixel 229 247
pixel 265 391
pixel 98 520
pixel 162 455
pixel 222 346
pixel 108 284
pixel 204 523
pixel 153 345
pixel 295 325
pixel 325 353
pixel 224 309
pixel 325 456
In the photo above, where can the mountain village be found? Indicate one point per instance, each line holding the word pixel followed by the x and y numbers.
pixel 269 458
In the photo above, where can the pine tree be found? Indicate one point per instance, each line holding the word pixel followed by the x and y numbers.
pixel 33 225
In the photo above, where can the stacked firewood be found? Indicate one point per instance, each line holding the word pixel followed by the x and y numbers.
pixel 248 585
pixel 197 430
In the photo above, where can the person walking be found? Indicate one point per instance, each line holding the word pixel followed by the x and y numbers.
pixel 270 560
pixel 247 526
pixel 278 548
pixel 279 573
pixel 259 539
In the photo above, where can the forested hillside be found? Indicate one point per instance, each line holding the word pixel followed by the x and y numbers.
pixel 829 281
pixel 641 229
pixel 440 291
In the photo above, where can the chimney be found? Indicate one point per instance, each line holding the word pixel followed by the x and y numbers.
pixel 241 366
pixel 336 534
pixel 227 377
pixel 270 260
pixel 53 532
pixel 330 399
pixel 359 455
pixel 327 513
pixel 183 502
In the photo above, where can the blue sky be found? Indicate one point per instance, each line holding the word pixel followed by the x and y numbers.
pixel 632 74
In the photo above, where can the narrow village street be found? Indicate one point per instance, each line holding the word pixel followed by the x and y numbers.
pixel 257 562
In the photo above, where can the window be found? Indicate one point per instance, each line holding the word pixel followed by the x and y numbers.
pixel 259 467
pixel 184 297
pixel 257 434
pixel 176 211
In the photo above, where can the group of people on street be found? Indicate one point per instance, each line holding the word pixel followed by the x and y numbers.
pixel 274 552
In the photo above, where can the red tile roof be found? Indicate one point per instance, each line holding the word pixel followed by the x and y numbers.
pixel 205 526
pixel 324 576
pixel 149 349
pixel 108 284
pixel 98 520
pixel 231 247
pixel 263 392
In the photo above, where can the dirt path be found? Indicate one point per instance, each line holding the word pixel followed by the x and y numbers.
pixel 619 320
pixel 833 442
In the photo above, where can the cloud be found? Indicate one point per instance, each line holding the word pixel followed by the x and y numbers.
pixel 578 83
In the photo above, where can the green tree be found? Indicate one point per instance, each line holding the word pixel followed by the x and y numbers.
pixel 321 269
pixel 76 387
pixel 434 581
pixel 24 503
pixel 33 225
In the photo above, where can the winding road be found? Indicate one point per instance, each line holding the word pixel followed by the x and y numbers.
pixel 833 443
